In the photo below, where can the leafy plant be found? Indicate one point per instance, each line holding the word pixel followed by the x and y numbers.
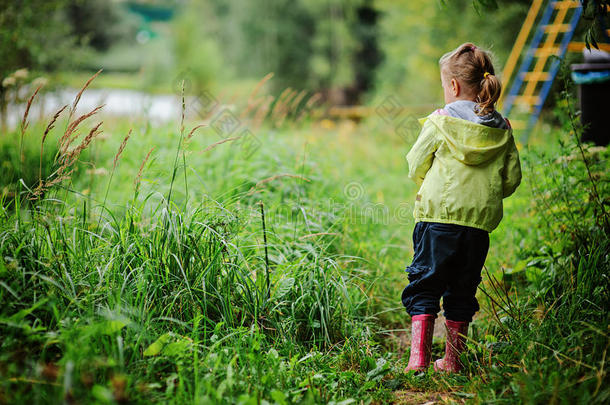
pixel 552 323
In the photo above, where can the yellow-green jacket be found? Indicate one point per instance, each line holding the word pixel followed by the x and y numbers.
pixel 464 170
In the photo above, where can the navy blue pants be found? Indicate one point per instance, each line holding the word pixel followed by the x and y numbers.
pixel 447 263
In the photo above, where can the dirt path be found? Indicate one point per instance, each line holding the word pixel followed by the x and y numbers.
pixel 424 398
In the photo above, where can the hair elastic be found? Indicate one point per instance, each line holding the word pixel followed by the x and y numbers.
pixel 485 75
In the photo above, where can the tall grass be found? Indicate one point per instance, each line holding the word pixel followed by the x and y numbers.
pixel 551 312
pixel 163 301
pixel 267 279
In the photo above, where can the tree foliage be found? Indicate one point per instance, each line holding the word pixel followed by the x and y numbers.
pixel 34 35
pixel 415 34
pixel 306 43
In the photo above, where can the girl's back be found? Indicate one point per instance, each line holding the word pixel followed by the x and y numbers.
pixel 465 158
pixel 473 167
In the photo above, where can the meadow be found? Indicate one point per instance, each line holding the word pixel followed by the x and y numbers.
pixel 177 263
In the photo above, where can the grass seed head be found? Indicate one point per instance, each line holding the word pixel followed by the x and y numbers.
pixel 138 178
pixel 52 122
pixel 24 121
pixel 68 138
pixel 80 93
pixel 121 148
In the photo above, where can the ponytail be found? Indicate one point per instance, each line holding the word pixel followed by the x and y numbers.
pixel 472 66
pixel 489 94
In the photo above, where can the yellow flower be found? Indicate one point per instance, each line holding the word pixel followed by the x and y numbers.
pixel 21 74
pixel 40 81
pixel 98 171
pixel 9 81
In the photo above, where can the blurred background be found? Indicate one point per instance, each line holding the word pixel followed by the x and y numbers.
pixel 352 52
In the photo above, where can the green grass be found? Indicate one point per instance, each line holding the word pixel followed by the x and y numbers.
pixel 112 295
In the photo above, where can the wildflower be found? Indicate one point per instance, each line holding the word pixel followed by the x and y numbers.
pixel 21 74
pixel 9 81
pixel 98 171
pixel 40 82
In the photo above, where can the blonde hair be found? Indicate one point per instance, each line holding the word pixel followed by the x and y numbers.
pixel 473 68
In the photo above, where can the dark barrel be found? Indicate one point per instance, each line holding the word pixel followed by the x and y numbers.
pixel 593 80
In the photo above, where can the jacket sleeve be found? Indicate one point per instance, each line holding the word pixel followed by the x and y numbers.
pixel 421 155
pixel 511 175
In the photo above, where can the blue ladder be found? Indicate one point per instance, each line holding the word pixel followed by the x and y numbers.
pixel 525 90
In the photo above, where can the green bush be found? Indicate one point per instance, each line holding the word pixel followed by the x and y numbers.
pixel 552 322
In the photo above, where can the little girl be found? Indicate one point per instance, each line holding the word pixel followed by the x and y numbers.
pixel 465 162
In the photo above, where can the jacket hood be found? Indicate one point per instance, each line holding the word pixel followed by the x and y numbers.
pixel 470 143
pixel 467 110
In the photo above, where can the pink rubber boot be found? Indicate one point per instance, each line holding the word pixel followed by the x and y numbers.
pixel 456 341
pixel 422 328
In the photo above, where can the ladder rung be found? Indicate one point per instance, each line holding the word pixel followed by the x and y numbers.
pixel 556 28
pixel 526 100
pixel 517 124
pixel 566 4
pixel 535 76
pixel 552 50
pixel 580 46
